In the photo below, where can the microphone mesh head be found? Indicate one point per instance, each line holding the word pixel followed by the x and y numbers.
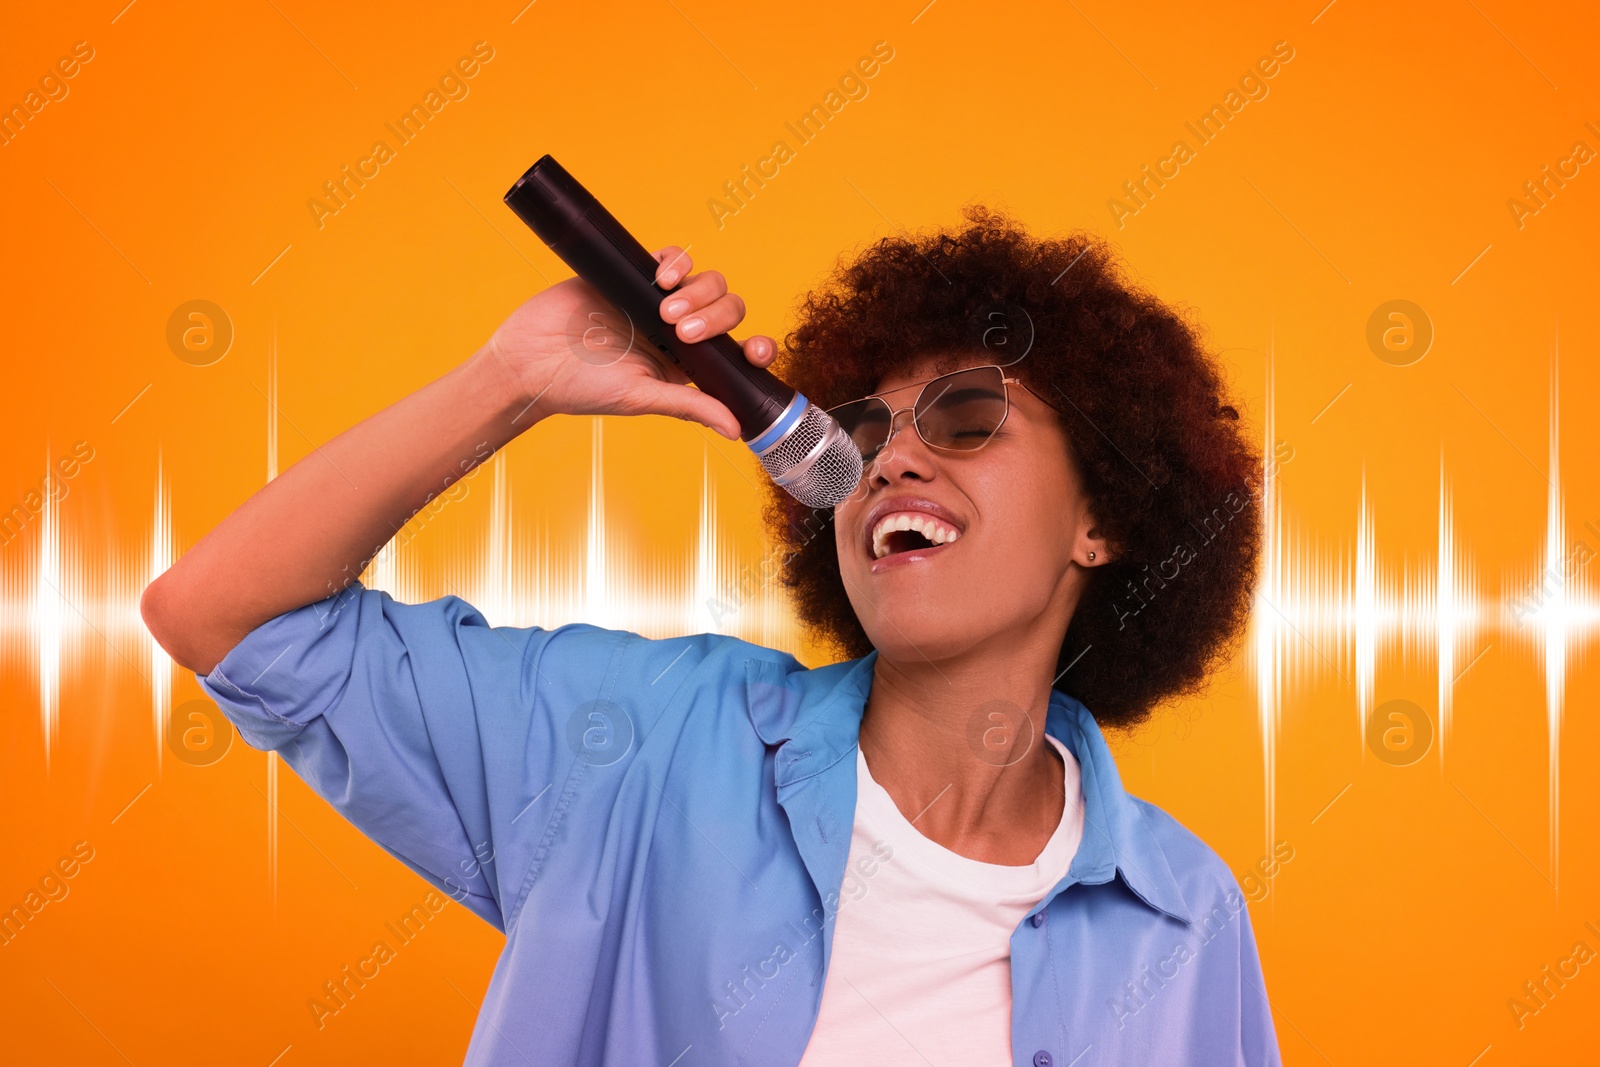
pixel 816 462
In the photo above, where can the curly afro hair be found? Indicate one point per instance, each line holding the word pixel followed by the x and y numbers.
pixel 1173 479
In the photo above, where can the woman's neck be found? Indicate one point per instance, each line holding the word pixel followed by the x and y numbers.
pixel 961 750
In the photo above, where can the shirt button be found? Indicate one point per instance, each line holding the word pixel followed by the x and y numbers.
pixel 1037 921
pixel 1041 1059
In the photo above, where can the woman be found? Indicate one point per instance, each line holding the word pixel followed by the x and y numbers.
pixel 701 852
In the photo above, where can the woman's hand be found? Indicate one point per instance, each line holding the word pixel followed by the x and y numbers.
pixel 572 353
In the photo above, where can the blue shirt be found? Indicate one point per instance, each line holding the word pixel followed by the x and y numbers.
pixel 661 827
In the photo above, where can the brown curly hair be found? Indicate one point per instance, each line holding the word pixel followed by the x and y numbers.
pixel 1171 475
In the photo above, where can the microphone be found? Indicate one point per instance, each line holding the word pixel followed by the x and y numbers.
pixel 799 445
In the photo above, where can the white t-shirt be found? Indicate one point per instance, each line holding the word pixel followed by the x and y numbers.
pixel 921 964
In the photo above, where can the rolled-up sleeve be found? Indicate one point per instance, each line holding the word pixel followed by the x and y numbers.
pixel 435 734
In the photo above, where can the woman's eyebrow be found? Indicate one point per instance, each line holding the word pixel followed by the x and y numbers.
pixel 973 392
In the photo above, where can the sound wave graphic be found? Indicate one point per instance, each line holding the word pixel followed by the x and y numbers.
pixel 1321 613
pixel 1325 613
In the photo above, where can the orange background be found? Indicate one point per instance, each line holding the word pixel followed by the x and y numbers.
pixel 1419 898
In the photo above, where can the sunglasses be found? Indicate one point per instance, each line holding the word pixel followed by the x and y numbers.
pixel 955 412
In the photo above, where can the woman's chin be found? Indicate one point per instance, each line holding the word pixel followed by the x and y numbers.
pixel 909 612
pixel 915 637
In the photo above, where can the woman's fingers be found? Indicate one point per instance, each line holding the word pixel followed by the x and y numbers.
pixel 760 349
pixel 701 306
pixel 720 316
pixel 700 290
pixel 687 402
pixel 675 265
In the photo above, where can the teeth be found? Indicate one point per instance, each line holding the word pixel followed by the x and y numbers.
pixel 928 526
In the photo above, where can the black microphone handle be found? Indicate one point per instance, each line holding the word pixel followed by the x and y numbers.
pixel 603 253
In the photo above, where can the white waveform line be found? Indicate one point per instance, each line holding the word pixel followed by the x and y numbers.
pixel 49 621
pixel 1321 584
pixel 1366 608
pixel 162 555
pixel 535 595
pixel 704 611
pixel 1411 614
pixel 1270 624
pixel 517 579
pixel 595 608
pixel 520 581
pixel 384 570
pixel 545 575
pixel 1555 618
pixel 1446 611
pixel 499 598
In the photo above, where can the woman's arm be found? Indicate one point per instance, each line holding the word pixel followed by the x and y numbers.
pixel 310 532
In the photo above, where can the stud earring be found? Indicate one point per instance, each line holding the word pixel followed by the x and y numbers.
pixel 1091 557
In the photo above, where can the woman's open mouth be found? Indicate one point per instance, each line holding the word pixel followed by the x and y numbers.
pixel 908 536
pixel 910 555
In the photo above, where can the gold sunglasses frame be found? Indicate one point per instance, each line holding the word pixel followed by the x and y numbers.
pixel 894 412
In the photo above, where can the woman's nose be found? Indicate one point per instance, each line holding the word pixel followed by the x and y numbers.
pixel 900 459
pixel 895 425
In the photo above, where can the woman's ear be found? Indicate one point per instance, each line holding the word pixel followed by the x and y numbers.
pixel 1093 550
